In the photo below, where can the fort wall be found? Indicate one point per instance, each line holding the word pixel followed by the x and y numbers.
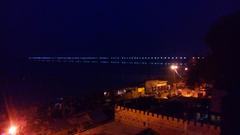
pixel 163 124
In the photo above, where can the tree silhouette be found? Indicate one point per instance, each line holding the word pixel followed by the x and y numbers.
pixel 221 67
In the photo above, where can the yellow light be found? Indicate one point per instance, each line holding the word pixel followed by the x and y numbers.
pixel 12 130
pixel 140 89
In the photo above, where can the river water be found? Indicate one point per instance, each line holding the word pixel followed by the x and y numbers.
pixel 45 81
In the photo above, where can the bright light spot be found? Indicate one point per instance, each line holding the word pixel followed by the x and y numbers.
pixel 12 130
pixel 105 93
pixel 165 97
pixel 185 68
pixel 174 67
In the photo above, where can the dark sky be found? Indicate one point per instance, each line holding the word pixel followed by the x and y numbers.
pixel 109 27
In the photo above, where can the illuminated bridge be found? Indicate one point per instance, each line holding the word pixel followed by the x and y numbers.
pixel 136 60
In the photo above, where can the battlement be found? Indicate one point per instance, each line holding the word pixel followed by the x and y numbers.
pixel 159 122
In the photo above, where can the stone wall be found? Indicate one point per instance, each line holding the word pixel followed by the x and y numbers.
pixel 163 124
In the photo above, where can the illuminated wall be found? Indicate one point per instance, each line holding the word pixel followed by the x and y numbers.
pixel 163 124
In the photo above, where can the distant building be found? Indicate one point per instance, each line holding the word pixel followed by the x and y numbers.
pixel 135 92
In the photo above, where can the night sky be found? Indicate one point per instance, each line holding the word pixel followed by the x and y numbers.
pixel 109 27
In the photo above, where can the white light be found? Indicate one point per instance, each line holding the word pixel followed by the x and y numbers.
pixel 185 68
pixel 12 130
pixel 105 93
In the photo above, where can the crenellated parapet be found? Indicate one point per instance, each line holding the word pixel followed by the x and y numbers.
pixel 162 123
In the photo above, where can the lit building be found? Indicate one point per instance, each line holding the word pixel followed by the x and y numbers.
pixel 135 92
pixel 155 86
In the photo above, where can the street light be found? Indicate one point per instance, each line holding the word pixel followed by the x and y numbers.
pixel 12 130
pixel 174 69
